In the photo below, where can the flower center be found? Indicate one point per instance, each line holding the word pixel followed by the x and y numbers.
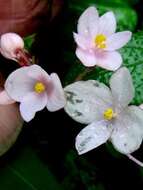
pixel 39 87
pixel 109 114
pixel 100 40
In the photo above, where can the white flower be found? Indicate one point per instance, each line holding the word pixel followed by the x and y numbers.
pixel 97 41
pixel 35 89
pixel 107 113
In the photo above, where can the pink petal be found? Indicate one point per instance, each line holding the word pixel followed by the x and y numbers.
pixel 36 72
pixel 107 24
pixel 118 40
pixel 88 22
pixel 81 41
pixel 31 104
pixel 56 99
pixel 5 99
pixel 18 84
pixel 109 60
pixel 87 58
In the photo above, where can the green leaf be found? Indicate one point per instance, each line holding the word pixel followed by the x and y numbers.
pixel 133 59
pixel 27 172
pixel 28 41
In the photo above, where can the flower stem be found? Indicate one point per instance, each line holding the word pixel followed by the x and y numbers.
pixel 135 160
pixel 84 73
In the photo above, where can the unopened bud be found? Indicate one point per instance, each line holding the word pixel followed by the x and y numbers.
pixel 12 47
pixel 10 43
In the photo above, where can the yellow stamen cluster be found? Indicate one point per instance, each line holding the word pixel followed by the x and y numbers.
pixel 100 40
pixel 109 114
pixel 39 87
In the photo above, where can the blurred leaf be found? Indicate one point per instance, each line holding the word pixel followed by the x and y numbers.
pixel 81 173
pixel 28 41
pixel 27 172
pixel 133 59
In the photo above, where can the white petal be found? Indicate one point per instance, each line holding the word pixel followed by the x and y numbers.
pixel 122 87
pixel 32 103
pixel 18 84
pixel 5 99
pixel 88 22
pixel 128 133
pixel 92 136
pixel 56 99
pixel 87 58
pixel 36 72
pixel 109 60
pixel 87 100
pixel 118 40
pixel 107 24
pixel 141 106
pixel 81 41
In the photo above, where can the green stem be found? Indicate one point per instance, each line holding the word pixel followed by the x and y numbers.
pixel 84 73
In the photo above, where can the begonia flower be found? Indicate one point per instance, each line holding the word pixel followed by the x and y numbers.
pixel 97 41
pixel 107 113
pixel 35 89
pixel 12 47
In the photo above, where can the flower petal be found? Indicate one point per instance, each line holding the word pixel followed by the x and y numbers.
pixel 5 99
pixel 32 103
pixel 36 72
pixel 122 88
pixel 92 136
pixel 118 40
pixel 18 84
pixel 88 22
pixel 56 99
pixel 81 41
pixel 10 126
pixel 87 58
pixel 109 60
pixel 128 133
pixel 87 100
pixel 107 24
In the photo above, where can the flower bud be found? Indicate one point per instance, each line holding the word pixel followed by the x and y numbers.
pixel 10 43
pixel 12 47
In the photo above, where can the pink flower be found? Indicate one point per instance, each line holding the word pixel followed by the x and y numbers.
pixel 35 89
pixel 97 41
pixel 12 47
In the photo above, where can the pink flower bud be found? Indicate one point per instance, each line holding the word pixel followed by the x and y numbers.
pixel 12 47
pixel 10 43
